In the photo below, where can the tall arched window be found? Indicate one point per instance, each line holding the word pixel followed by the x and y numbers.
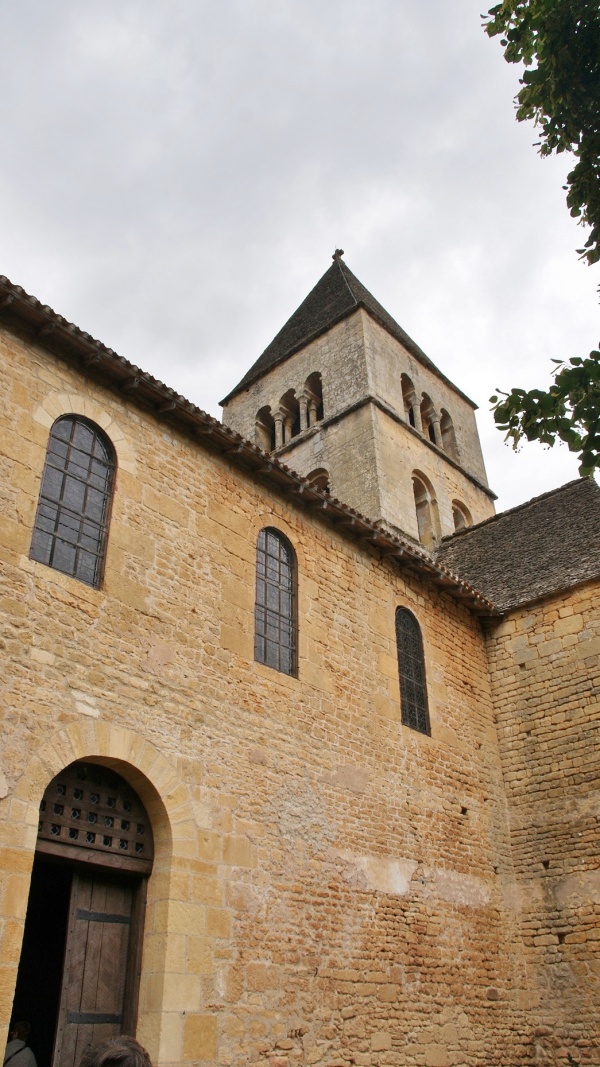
pixel 275 610
pixel 427 418
pixel 71 521
pixel 411 668
pixel 290 411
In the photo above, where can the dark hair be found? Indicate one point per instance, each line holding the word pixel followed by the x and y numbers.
pixel 21 1029
pixel 116 1052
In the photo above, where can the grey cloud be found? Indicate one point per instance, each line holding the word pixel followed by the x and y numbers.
pixel 176 176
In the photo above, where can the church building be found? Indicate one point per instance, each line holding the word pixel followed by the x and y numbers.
pixel 299 757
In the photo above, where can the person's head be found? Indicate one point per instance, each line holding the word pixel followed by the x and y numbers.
pixel 116 1052
pixel 20 1030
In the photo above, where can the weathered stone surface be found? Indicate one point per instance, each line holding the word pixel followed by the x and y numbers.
pixel 547 711
pixel 365 441
pixel 329 886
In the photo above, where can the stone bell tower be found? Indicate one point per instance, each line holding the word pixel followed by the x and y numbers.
pixel 346 398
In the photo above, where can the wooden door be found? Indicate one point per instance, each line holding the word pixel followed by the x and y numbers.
pixel 100 967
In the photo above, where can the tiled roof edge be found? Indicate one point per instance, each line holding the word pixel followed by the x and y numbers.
pixel 508 606
pixel 389 411
pixel 54 332
pixel 466 530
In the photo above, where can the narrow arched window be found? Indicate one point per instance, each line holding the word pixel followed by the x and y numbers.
pixel 461 515
pixel 275 610
pixel 409 399
pixel 448 435
pixel 411 668
pixel 428 522
pixel 290 413
pixel 428 419
pixel 265 429
pixel 313 392
pixel 71 521
pixel 319 478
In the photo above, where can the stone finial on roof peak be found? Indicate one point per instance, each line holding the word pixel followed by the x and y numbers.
pixel 335 296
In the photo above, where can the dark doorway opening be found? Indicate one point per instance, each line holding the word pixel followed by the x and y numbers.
pixel 79 969
pixel 37 995
pixel 80 962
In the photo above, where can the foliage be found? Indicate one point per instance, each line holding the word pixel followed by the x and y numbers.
pixel 559 43
pixel 569 411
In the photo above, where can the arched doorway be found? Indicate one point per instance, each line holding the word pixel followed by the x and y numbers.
pixel 80 961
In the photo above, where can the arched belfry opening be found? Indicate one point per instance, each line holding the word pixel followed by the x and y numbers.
pixel 289 412
pixel 265 429
pixel 448 435
pixel 428 522
pixel 319 478
pixel 409 400
pixel 428 419
pixel 80 960
pixel 461 515
pixel 313 396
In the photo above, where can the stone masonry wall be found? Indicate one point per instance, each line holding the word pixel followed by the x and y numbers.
pixel 546 682
pixel 347 451
pixel 371 457
pixel 388 360
pixel 400 452
pixel 338 356
pixel 331 887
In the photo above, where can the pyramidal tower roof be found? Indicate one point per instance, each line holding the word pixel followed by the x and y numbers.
pixel 336 295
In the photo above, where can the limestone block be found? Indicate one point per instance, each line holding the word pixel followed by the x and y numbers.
pixel 199 955
pixel 171 1037
pixel 381 1041
pixel 238 851
pixel 166 506
pixel 181 992
pixel 200 1038
pixel 218 922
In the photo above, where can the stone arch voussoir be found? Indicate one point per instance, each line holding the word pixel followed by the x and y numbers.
pixel 151 774
pixel 57 404
pixel 177 842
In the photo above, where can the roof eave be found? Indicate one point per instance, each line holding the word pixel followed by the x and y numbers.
pixel 410 345
pixel 66 341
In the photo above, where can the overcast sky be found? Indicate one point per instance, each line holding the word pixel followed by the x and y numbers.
pixel 176 176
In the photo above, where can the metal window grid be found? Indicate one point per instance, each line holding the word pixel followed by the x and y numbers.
pixel 73 508
pixel 275 610
pixel 411 667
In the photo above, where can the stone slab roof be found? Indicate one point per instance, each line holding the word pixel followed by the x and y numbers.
pixel 532 551
pixel 336 295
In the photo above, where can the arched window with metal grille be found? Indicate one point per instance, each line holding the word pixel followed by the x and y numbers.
pixel 411 668
pixel 275 637
pixel 71 522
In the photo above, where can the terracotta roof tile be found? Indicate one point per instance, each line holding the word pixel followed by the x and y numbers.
pixel 534 550
pixel 24 313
